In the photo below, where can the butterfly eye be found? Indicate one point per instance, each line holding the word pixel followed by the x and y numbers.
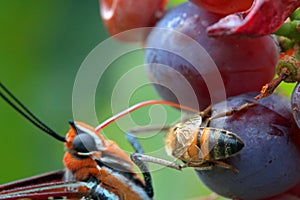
pixel 84 143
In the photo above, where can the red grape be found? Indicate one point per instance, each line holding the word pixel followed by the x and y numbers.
pixel 244 64
pixel 121 15
pixel 224 7
pixel 264 18
pixel 269 163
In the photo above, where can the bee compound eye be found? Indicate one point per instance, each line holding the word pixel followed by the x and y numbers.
pixel 175 129
pixel 84 143
pixel 239 144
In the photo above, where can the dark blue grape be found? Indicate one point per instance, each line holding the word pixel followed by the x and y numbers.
pixel 269 164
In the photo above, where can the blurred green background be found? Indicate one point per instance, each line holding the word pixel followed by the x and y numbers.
pixel 43 44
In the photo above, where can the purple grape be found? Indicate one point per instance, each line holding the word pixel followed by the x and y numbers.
pixel 269 164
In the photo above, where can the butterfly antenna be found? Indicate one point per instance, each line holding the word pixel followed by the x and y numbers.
pixel 25 112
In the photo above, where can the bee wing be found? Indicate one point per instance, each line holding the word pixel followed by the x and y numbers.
pixel 43 187
pixel 186 133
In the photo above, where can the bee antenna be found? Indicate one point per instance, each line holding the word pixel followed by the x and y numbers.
pixel 25 112
pixel 140 105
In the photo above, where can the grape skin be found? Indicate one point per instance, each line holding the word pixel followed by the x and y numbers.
pixel 224 7
pixel 269 163
pixel 121 16
pixel 245 64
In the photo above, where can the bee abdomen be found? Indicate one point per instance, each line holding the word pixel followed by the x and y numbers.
pixel 217 144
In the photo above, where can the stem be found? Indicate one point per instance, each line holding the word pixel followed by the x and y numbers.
pixel 290 30
pixel 269 88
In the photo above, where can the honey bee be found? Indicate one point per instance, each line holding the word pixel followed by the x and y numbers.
pixel 196 144
pixel 201 147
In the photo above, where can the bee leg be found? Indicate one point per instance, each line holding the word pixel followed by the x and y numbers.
pixel 209 164
pixel 202 166
pixel 231 111
pixel 225 165
pixel 242 107
pixel 206 112
pixel 234 110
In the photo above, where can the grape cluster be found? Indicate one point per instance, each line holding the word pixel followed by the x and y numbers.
pixel 269 164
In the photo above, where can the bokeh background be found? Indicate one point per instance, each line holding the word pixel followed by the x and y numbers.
pixel 42 45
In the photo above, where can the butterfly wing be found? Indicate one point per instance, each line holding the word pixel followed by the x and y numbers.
pixel 44 186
